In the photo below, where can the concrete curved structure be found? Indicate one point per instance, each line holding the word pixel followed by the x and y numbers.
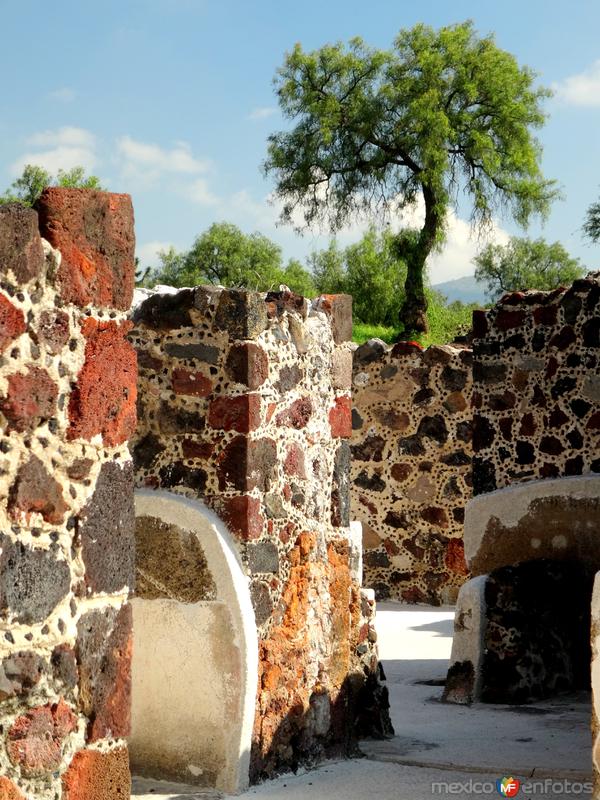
pixel 195 647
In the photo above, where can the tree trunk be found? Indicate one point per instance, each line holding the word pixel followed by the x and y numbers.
pixel 413 313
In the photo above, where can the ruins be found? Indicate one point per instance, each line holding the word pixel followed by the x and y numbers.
pixel 202 493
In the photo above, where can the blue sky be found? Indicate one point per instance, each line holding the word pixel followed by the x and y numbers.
pixel 172 101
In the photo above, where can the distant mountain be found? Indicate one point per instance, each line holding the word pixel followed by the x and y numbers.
pixel 466 289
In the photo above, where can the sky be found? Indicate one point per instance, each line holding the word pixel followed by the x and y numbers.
pixel 172 101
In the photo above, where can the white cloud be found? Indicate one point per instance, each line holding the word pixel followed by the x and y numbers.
pixel 199 192
pixel 149 161
pixel 582 89
pixel 63 148
pixel 63 95
pixel 148 252
pixel 262 112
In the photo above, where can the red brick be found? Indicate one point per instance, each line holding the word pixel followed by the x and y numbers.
pixel 94 775
pixel 248 364
pixel 12 322
pixel 241 414
pixel 340 418
pixel 191 383
pixel 36 738
pixel 94 233
pixel 103 401
pixel 242 515
pixel 30 400
pixel 8 791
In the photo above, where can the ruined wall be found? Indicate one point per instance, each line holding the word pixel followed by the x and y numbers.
pixel 245 404
pixel 411 463
pixel 536 394
pixel 67 408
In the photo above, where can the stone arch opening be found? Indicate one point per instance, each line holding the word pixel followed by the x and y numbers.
pixel 522 625
pixel 195 661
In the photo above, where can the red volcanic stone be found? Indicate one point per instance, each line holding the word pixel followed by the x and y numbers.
pixel 12 322
pixel 506 320
pixel 557 418
pixel 528 425
pixel 545 315
pixel 30 400
pixel 294 464
pixel 400 472
pixel 193 383
pixel 36 738
pixel 246 464
pixel 53 330
pixel 563 339
pixel 8 791
pixel 193 449
pixel 36 491
pixel 96 775
pixel 435 516
pixel 406 349
pixel 104 646
pixel 593 423
pixel 551 367
pixel 297 415
pixel 242 515
pixel 94 233
pixel 340 418
pixel 339 308
pixel 480 323
pixel 455 557
pixel 104 399
pixel 414 595
pixel 551 445
pixel 21 250
pixel 506 424
pixel 248 364
pixel 241 413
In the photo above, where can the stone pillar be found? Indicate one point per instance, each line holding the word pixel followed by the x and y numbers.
pixel 245 405
pixel 67 408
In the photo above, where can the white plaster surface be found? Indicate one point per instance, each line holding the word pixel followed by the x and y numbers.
pixel 467 642
pixel 511 504
pixel 195 664
pixel 434 741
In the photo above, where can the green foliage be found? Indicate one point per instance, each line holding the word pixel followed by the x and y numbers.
pixel 591 226
pixel 446 320
pixel 33 180
pixel 224 255
pixel 526 264
pixel 377 129
pixel 328 269
pixel 362 332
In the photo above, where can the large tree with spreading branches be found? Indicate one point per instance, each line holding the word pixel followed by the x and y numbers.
pixel 378 131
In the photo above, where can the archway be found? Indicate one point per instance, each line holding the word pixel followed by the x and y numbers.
pixel 195 647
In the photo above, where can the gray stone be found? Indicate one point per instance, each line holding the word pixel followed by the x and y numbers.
pixel 263 557
pixel 197 351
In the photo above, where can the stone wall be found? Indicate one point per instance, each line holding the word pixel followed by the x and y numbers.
pixel 536 394
pixel 245 404
pixel 67 408
pixel 411 467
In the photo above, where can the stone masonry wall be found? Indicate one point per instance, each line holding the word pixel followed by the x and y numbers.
pixel 67 408
pixel 536 394
pixel 411 467
pixel 245 404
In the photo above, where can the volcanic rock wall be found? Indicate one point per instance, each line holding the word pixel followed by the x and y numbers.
pixel 245 404
pixel 411 463
pixel 67 408
pixel 536 393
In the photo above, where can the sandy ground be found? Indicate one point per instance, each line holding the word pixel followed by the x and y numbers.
pixel 438 750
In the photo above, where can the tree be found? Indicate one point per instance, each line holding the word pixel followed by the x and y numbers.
pixel 591 226
pixel 328 269
pixel 375 131
pixel 224 255
pixel 33 180
pixel 525 264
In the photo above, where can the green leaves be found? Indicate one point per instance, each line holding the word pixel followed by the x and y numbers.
pixel 526 264
pixel 591 226
pixel 33 180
